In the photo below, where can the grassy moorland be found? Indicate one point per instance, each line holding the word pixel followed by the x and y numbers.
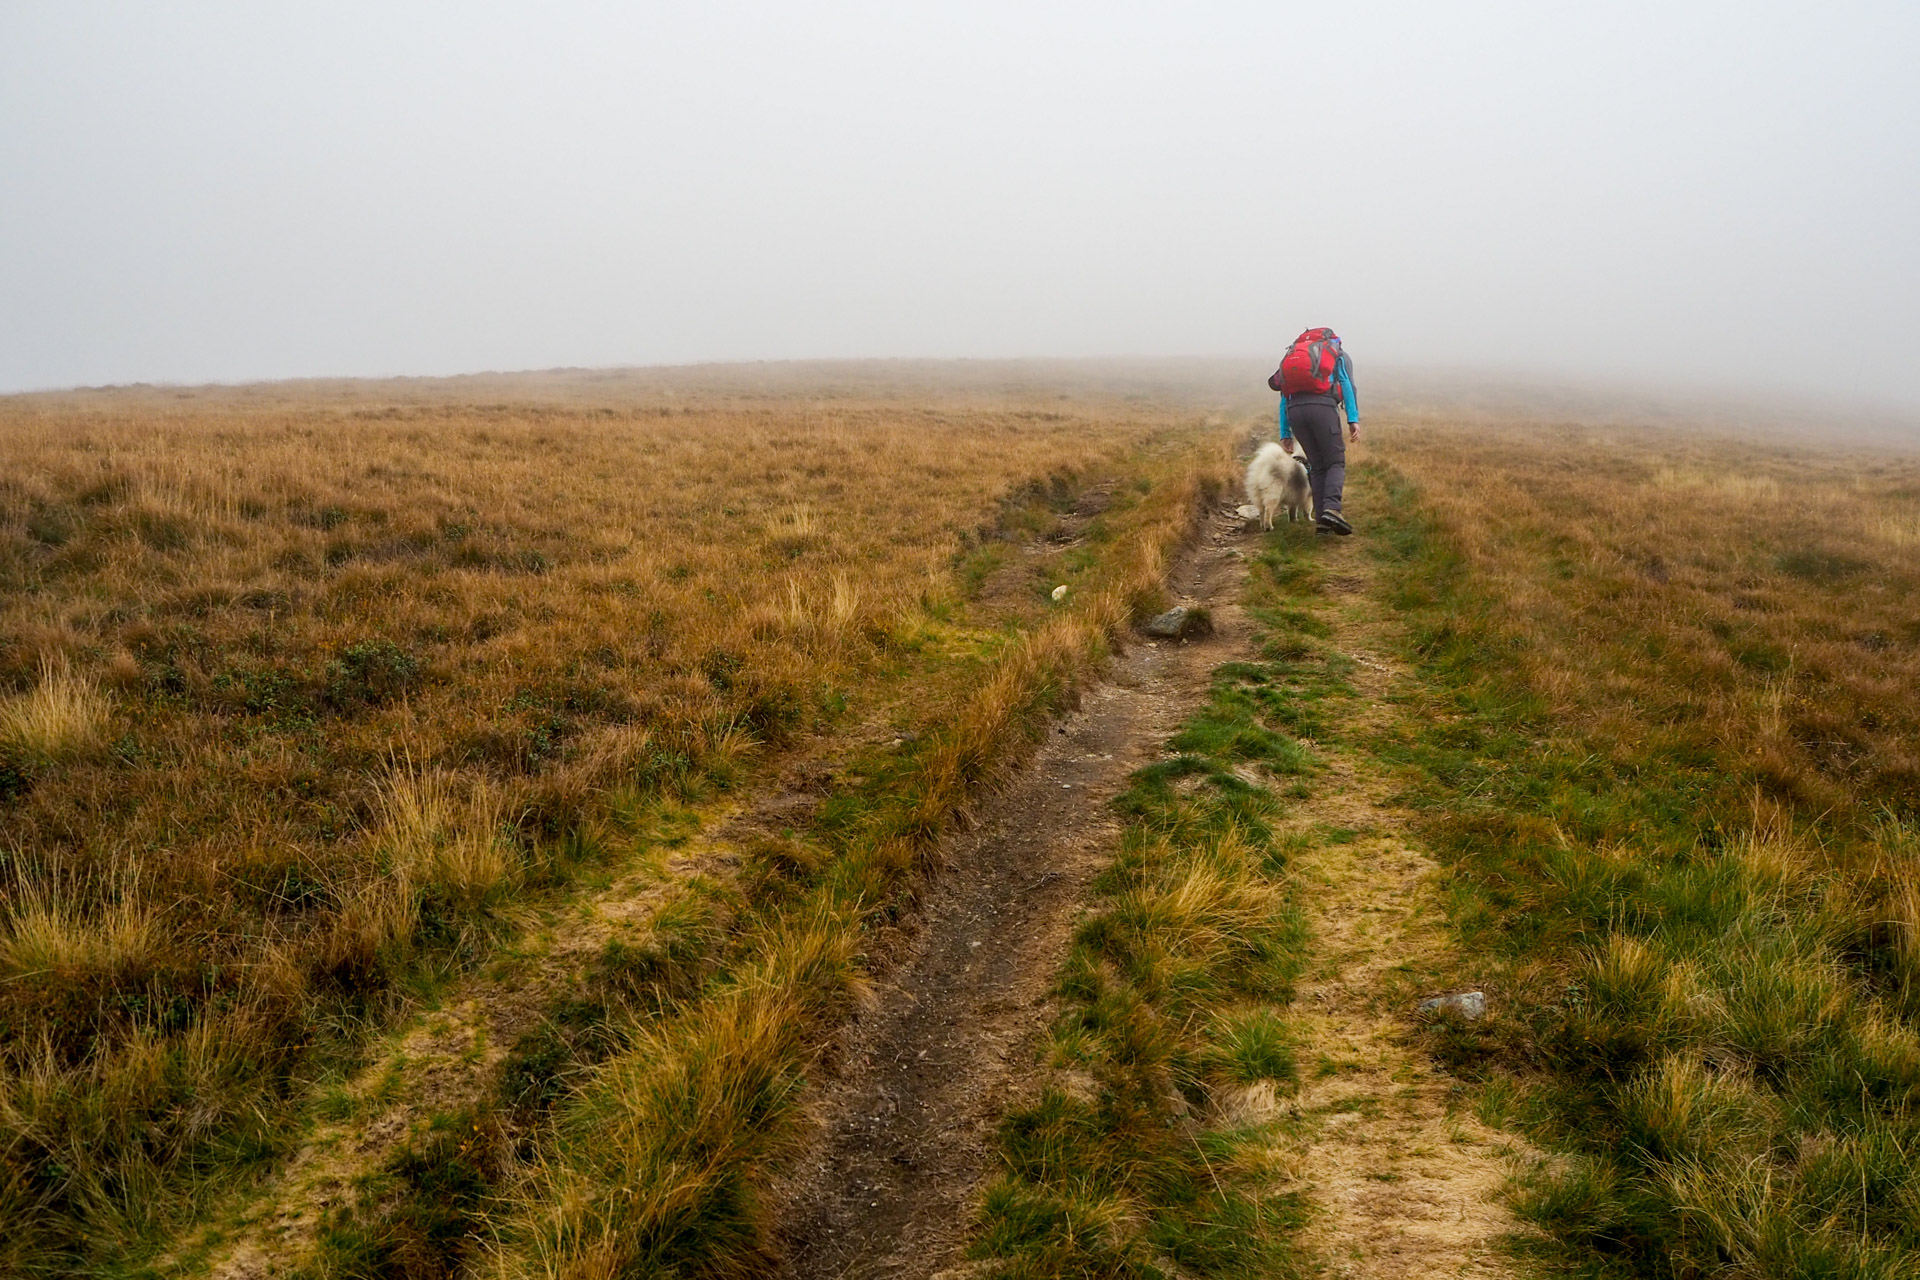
pixel 1668 734
pixel 307 693
pixel 322 707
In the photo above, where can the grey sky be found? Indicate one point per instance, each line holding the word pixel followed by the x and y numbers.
pixel 193 192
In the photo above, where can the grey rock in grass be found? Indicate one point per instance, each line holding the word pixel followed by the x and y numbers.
pixel 1178 623
pixel 1470 1005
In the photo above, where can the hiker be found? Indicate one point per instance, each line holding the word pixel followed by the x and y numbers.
pixel 1310 374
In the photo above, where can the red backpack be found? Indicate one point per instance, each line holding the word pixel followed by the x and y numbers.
pixel 1307 368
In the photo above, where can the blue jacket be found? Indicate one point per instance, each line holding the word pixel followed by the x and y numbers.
pixel 1343 383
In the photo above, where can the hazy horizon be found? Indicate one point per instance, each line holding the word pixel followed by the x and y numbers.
pixel 1707 196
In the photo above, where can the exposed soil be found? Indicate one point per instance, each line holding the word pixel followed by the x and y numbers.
pixel 1405 1184
pixel 907 1127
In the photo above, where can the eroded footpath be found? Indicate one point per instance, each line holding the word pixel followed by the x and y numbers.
pixel 924 1076
pixel 1368 1138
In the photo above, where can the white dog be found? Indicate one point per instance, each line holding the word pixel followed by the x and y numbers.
pixel 1276 479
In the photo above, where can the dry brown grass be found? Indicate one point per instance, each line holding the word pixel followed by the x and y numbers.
pixel 303 680
pixel 1750 594
pixel 47 936
pixel 664 1156
pixel 60 717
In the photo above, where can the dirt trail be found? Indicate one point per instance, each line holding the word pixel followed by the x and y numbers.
pixel 1406 1186
pixel 908 1125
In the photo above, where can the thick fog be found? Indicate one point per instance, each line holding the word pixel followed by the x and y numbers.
pixel 1717 194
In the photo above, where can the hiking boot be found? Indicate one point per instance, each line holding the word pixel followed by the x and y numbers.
pixel 1330 522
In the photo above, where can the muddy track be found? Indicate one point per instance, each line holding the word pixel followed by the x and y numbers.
pixel 907 1123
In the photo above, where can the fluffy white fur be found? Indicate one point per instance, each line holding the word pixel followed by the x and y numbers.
pixel 1276 479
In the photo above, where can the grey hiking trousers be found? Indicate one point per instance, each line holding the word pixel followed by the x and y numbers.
pixel 1315 423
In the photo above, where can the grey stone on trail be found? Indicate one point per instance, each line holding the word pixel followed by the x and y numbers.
pixel 1468 1004
pixel 1178 623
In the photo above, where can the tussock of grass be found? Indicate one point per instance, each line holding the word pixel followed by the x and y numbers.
pixel 1667 748
pixel 63 716
pixel 661 1163
pixel 49 937
pixel 444 833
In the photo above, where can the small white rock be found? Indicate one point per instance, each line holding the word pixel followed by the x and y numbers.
pixel 1060 592
pixel 1470 1005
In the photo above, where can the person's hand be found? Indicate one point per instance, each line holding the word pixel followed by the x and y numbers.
pixel 1353 431
pixel 1287 444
